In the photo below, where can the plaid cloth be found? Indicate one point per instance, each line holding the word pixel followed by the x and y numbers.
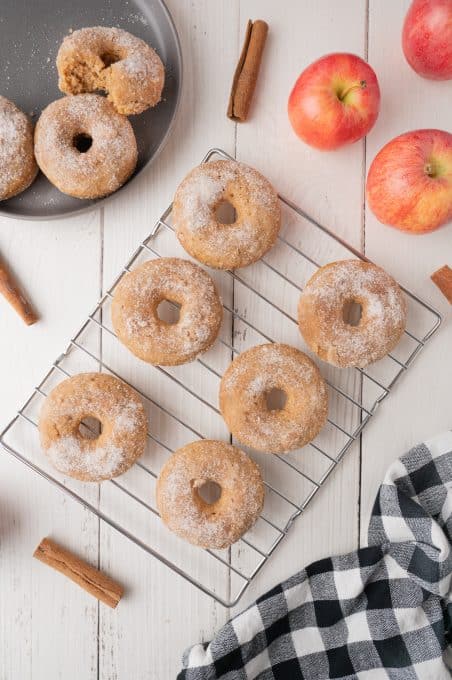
pixel 384 611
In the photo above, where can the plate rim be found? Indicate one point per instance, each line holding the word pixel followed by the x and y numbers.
pixel 100 202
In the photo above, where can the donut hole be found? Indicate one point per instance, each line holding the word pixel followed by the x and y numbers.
pixel 169 311
pixel 207 490
pixel 352 312
pixel 225 213
pixel 90 428
pixel 82 142
pixel 109 58
pixel 276 399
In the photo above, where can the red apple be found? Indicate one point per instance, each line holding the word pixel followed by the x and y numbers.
pixel 409 185
pixel 427 38
pixel 335 101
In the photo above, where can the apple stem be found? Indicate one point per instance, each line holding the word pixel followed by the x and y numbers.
pixel 360 86
pixel 432 170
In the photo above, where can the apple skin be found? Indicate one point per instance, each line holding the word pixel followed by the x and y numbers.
pixel 427 38
pixel 409 184
pixel 335 101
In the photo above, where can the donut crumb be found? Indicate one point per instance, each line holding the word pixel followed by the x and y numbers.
pixel 113 61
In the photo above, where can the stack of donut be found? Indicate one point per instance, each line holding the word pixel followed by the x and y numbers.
pixel 84 143
pixel 247 385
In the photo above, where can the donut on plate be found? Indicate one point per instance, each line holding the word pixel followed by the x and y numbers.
pixel 135 311
pixel 210 525
pixel 84 147
pixel 112 60
pixel 201 232
pixel 18 167
pixel 123 427
pixel 247 385
pixel 324 307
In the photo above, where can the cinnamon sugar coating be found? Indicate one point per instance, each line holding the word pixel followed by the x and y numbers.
pixel 18 167
pixel 108 162
pixel 210 525
pixel 321 313
pixel 123 420
pixel 248 381
pixel 226 246
pixel 135 316
pixel 112 60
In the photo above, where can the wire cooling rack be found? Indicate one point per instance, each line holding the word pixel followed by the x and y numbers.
pixel 181 402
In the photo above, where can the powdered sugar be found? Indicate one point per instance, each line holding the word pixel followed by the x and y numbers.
pixel 17 164
pixel 113 60
pixel 70 453
pixel 127 418
pixel 226 245
pixel 200 195
pixel 321 313
pixel 223 522
pixel 108 162
pixel 251 377
pixel 278 368
pixel 106 399
pixel 135 318
pixel 205 186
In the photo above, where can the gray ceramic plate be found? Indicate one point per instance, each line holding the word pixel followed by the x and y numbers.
pixel 30 34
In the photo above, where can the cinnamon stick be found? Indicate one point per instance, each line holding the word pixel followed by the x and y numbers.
pixel 443 279
pixel 87 577
pixel 12 293
pixel 246 72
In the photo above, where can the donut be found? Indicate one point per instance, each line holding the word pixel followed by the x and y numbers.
pixel 84 147
pixel 112 60
pixel 257 373
pixel 18 167
pixel 122 418
pixel 210 525
pixel 324 307
pixel 257 218
pixel 135 311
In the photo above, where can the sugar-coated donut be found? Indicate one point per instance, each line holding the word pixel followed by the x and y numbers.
pixel 252 377
pixel 204 237
pixel 322 313
pixel 123 421
pixel 113 60
pixel 210 525
pixel 17 161
pixel 84 147
pixel 135 311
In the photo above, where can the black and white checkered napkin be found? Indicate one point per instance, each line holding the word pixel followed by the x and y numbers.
pixel 382 612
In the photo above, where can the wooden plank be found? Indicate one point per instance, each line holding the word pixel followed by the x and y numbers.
pixel 315 181
pixel 419 407
pixel 161 613
pixel 47 628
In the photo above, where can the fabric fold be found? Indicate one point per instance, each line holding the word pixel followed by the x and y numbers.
pixel 384 611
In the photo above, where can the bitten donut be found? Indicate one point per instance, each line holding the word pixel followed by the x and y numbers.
pixel 122 418
pixel 257 219
pixel 135 311
pixel 17 161
pixel 247 384
pixel 323 313
pixel 210 525
pixel 112 60
pixel 84 147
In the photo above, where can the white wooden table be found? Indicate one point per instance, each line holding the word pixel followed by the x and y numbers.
pixel 50 629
